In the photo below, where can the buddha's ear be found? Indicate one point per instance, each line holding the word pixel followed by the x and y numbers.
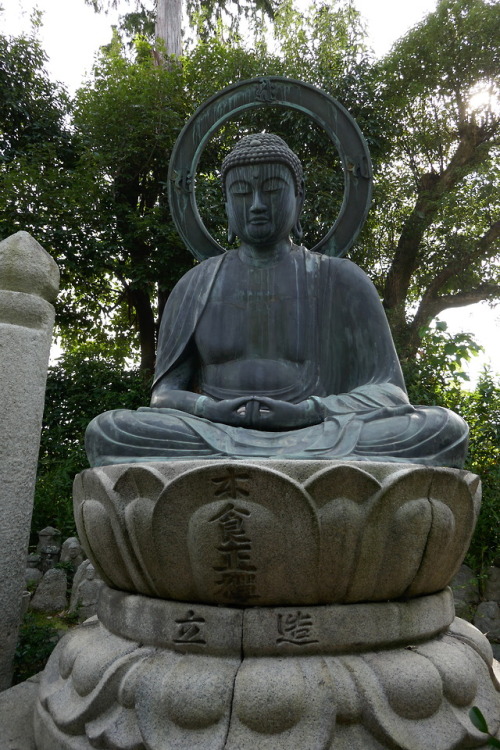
pixel 231 234
pixel 297 230
pixel 300 198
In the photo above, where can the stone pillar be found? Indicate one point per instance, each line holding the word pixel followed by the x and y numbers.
pixel 29 280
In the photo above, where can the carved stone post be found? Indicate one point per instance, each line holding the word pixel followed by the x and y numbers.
pixel 29 280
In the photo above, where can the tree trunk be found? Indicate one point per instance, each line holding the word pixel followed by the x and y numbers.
pixel 139 299
pixel 168 25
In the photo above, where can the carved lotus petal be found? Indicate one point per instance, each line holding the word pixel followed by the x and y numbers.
pixel 276 532
pixel 162 699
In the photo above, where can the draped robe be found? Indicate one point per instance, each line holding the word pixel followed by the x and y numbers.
pixel 351 371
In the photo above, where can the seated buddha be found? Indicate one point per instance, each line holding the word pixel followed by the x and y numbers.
pixel 272 351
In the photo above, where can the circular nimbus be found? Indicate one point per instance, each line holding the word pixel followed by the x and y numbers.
pixel 265 92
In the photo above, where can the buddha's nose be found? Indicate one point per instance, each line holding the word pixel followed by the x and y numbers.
pixel 258 206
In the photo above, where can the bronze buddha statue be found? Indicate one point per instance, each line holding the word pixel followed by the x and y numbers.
pixel 272 351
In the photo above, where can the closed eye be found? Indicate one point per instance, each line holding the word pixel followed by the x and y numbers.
pixel 240 188
pixel 274 185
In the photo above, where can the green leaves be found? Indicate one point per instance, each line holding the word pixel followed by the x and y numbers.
pixel 452 49
pixel 86 381
pixel 479 722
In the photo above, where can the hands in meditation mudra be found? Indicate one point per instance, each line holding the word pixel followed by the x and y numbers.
pixel 272 351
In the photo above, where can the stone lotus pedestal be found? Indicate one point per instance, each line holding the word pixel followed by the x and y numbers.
pixel 271 604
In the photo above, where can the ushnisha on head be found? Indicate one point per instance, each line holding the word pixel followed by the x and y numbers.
pixel 263 187
pixel 263 148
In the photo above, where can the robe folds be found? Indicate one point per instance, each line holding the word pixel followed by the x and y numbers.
pixel 357 383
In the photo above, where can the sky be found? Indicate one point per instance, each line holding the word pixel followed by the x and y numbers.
pixel 72 34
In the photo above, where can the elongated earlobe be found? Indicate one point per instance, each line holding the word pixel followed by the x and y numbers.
pixel 297 230
pixel 231 237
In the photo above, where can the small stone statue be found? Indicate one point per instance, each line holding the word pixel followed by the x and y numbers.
pixel 50 595
pixel 85 591
pixel 33 573
pixel 49 557
pixel 272 351
pixel 72 552
pixel 48 537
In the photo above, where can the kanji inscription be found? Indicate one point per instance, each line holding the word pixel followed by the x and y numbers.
pixel 236 573
pixel 190 629
pixel 232 485
pixel 296 628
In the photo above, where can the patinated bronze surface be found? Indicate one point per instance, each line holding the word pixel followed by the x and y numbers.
pixel 270 350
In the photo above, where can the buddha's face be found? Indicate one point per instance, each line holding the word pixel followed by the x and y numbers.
pixel 262 205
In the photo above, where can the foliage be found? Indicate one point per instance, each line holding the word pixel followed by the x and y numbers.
pixel 481 410
pixel 32 107
pixel 436 376
pixel 431 240
pixel 38 636
pixel 106 220
pixel 438 366
pixel 81 385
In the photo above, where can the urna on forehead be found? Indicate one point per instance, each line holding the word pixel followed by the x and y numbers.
pixel 263 148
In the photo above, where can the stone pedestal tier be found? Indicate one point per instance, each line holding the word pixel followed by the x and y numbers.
pixel 272 605
pixel 159 675
pixel 267 532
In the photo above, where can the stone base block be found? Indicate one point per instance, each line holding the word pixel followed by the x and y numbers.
pixel 160 675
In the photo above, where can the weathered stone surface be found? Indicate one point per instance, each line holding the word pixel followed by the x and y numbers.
pixel 16 716
pixel 173 625
pixel 276 532
pixel 25 335
pixel 264 631
pixel 492 587
pixel 26 267
pixel 50 595
pixel 359 675
pixel 487 620
pixel 339 628
pixel 102 690
pixel 25 602
pixel 49 557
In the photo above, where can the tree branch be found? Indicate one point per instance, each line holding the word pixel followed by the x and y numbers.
pixel 481 250
pixel 431 189
pixel 480 293
pixel 432 307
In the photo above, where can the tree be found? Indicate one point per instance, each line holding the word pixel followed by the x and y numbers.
pixel 437 215
pixel 32 108
pixel 162 20
pixel 34 136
